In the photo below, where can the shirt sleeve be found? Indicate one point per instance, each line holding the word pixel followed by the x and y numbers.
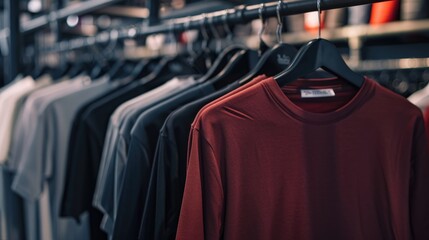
pixel 78 173
pixel 104 186
pixel 170 181
pixel 120 160
pixel 419 202
pixel 153 224
pixel 132 194
pixel 202 212
pixel 152 202
pixel 36 160
pixel 103 194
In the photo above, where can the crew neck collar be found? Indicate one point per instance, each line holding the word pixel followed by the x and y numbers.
pixel 291 109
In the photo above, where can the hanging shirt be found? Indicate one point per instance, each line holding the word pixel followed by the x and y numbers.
pixel 8 102
pixel 93 214
pixel 34 104
pixel 426 117
pixel 143 139
pixel 167 179
pixel 269 164
pixel 25 122
pixel 11 208
pixel 86 146
pixel 17 78
pixel 420 98
pixel 43 165
pixel 12 105
pixel 35 220
pixel 121 122
pixel 11 205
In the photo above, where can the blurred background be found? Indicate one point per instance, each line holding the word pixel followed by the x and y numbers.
pixel 395 32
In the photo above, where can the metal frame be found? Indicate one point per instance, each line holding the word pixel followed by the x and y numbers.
pixel 154 7
pixel 60 14
pixel 240 14
pixel 354 35
pixel 13 29
pixel 125 12
pixel 13 57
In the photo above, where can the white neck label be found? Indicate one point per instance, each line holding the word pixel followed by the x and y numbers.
pixel 317 93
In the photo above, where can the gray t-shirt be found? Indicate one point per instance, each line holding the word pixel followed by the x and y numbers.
pixel 34 222
pixel 114 152
pixel 33 105
pixel 42 166
pixel 11 209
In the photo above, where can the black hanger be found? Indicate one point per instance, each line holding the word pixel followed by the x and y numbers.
pixel 221 62
pixel 263 47
pixel 119 68
pixel 241 63
pixel 77 69
pixel 170 67
pixel 40 71
pixel 276 59
pixel 125 68
pixel 61 70
pixel 143 68
pixel 100 69
pixel 140 69
pixel 272 62
pixel 82 65
pixel 148 68
pixel 204 59
pixel 223 57
pixel 319 53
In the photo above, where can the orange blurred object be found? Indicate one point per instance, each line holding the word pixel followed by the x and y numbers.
pixel 311 21
pixel 384 12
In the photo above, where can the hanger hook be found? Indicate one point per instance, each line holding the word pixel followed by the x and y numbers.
pixel 319 12
pixel 226 26
pixel 189 44
pixel 215 33
pixel 204 32
pixel 171 30
pixel 113 42
pixel 279 21
pixel 261 17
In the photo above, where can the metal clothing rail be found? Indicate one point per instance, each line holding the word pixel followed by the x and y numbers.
pixel 240 14
pixel 77 9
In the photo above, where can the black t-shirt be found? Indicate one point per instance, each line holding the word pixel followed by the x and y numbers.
pixel 141 151
pixel 167 180
pixel 85 149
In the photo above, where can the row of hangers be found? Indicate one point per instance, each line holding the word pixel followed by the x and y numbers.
pixel 234 62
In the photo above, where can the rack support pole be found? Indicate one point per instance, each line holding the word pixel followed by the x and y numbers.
pixel 13 59
pixel 154 8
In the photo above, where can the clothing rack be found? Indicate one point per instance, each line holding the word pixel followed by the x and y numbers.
pixel 11 36
pixel 239 15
